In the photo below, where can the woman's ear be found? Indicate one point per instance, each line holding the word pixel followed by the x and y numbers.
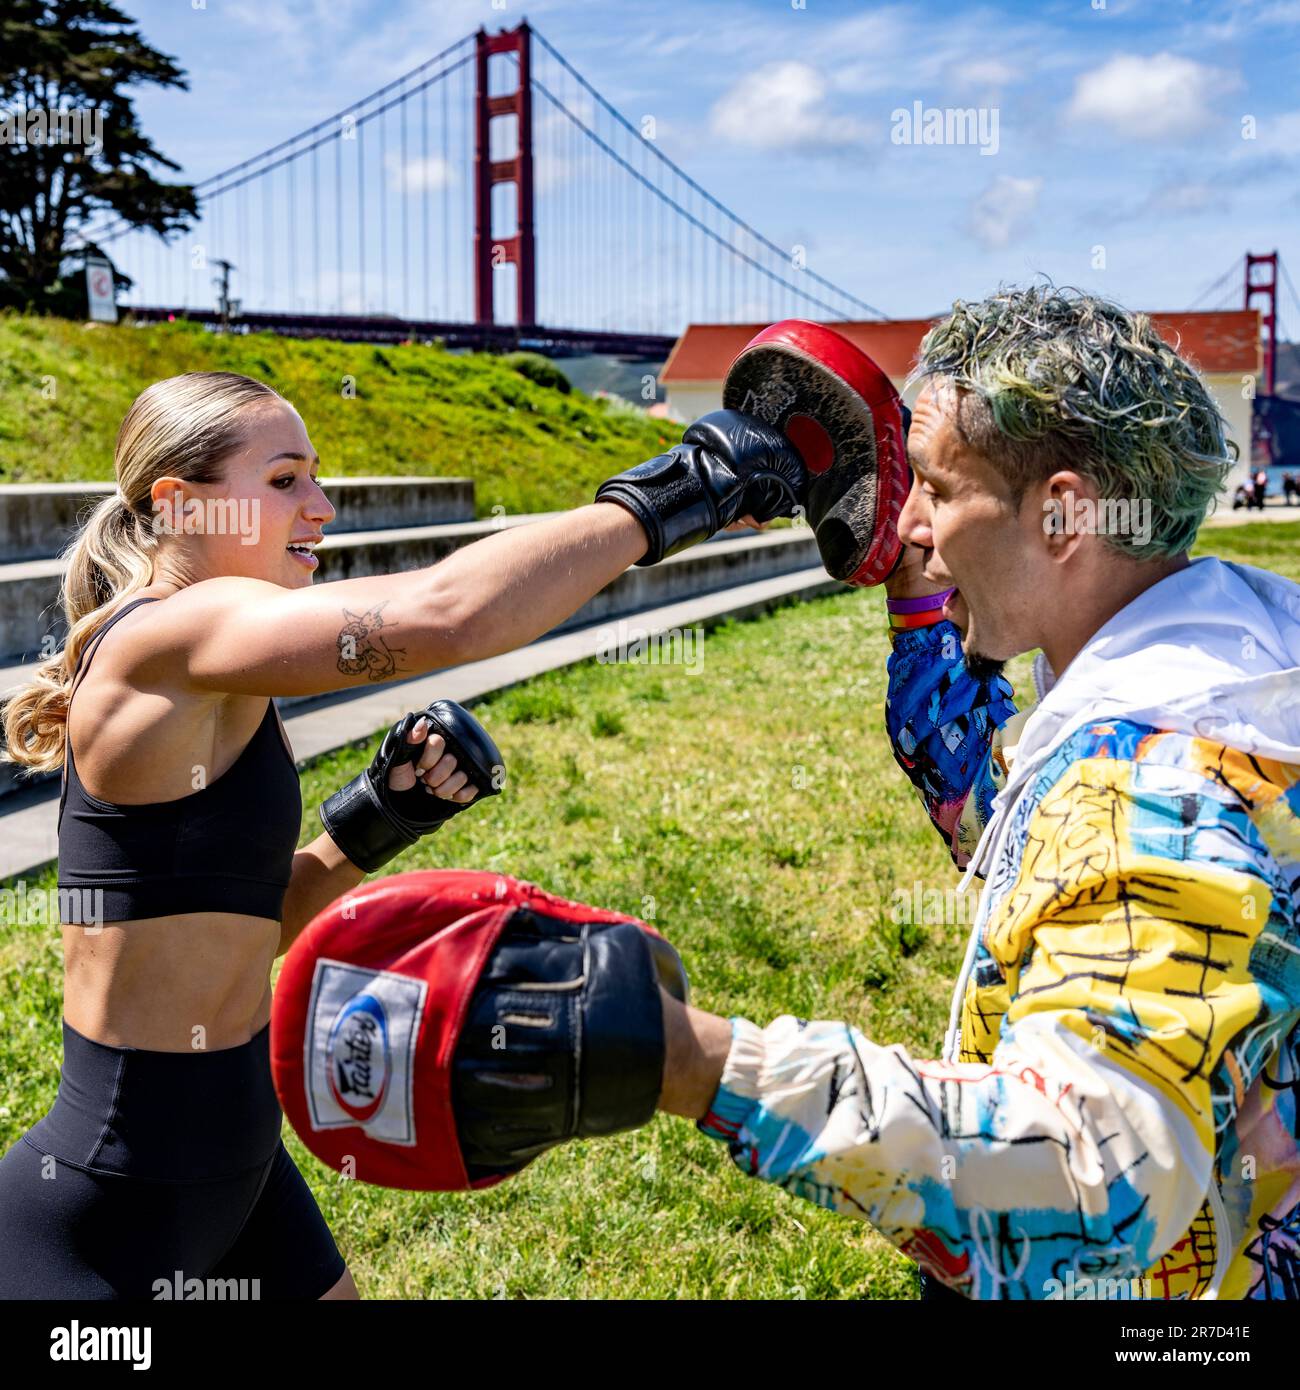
pixel 167 503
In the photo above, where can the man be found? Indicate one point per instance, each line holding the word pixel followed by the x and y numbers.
pixel 1118 1112
pixel 1115 1114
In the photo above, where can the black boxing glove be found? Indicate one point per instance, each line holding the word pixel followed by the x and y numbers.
pixel 371 822
pixel 728 465
pixel 563 1038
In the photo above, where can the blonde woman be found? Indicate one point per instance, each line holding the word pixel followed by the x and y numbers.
pixel 161 1158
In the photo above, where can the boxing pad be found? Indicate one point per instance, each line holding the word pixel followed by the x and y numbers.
pixel 438 1030
pixel 847 421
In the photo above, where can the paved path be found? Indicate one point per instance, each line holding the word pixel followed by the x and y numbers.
pixel 1225 516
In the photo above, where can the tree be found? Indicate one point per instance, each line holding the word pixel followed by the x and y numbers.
pixel 71 150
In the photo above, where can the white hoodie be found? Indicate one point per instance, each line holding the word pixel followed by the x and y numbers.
pixel 1212 650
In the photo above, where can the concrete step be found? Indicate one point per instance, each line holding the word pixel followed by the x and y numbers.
pixel 29 589
pixel 29 831
pixel 38 519
pixel 31 619
pixel 722 563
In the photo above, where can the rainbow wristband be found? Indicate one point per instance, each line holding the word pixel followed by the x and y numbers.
pixel 925 611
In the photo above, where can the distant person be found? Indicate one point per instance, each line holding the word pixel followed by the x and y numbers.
pixel 1261 488
pixel 1290 488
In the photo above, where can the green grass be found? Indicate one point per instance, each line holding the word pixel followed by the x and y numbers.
pixel 752 810
pixel 1269 545
pixel 64 388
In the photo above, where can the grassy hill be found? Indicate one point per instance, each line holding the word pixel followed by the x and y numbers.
pixel 65 386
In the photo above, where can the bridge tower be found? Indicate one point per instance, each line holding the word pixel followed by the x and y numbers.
pixel 517 249
pixel 1265 287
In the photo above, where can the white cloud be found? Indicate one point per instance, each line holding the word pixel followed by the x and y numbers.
pixel 1282 12
pixel 861 54
pixel 973 48
pixel 552 171
pixel 271 21
pixel 351 44
pixel 1000 213
pixel 417 175
pixel 782 106
pixel 982 74
pixel 668 47
pixel 1158 98
pixel 303 20
pixel 1185 199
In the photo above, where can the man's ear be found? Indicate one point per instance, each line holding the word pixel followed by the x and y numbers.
pixel 1067 504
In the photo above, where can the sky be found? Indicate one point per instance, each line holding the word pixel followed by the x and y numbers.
pixel 1135 148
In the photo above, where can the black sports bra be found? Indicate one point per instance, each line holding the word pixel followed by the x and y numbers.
pixel 227 847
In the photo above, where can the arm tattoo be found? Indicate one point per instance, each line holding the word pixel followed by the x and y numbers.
pixel 363 650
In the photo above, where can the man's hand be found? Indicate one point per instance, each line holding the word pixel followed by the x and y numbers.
pixel 696 1045
pixel 908 581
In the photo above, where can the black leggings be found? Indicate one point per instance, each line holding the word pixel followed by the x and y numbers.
pixel 161 1175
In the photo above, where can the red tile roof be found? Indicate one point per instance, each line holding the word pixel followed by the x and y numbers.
pixel 1216 342
pixel 1225 340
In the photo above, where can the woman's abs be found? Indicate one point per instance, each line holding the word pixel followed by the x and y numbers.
pixel 190 983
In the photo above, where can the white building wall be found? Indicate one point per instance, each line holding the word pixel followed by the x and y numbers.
pixel 1230 395
pixel 688 400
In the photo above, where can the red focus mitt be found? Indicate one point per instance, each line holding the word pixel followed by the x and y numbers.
pixel 439 1030
pixel 842 413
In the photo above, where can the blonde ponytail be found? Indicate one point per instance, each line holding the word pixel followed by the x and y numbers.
pixel 184 427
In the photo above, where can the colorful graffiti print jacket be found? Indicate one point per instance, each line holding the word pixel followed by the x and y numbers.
pixel 1117 1114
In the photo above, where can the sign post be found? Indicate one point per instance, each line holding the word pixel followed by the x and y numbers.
pixel 99 292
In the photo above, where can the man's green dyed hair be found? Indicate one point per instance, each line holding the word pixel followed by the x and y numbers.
pixel 1052 379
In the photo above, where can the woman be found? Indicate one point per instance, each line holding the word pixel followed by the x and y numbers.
pixel 160 1161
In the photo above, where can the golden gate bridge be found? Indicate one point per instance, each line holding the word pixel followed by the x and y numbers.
pixel 488 198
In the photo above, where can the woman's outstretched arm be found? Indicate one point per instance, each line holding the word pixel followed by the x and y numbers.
pixel 248 637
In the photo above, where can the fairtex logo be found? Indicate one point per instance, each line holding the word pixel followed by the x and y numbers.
pixel 360 1061
pixel 362 1026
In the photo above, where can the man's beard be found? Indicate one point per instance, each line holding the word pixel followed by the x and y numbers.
pixel 983 668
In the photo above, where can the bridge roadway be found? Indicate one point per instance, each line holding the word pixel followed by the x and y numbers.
pixel 477 337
